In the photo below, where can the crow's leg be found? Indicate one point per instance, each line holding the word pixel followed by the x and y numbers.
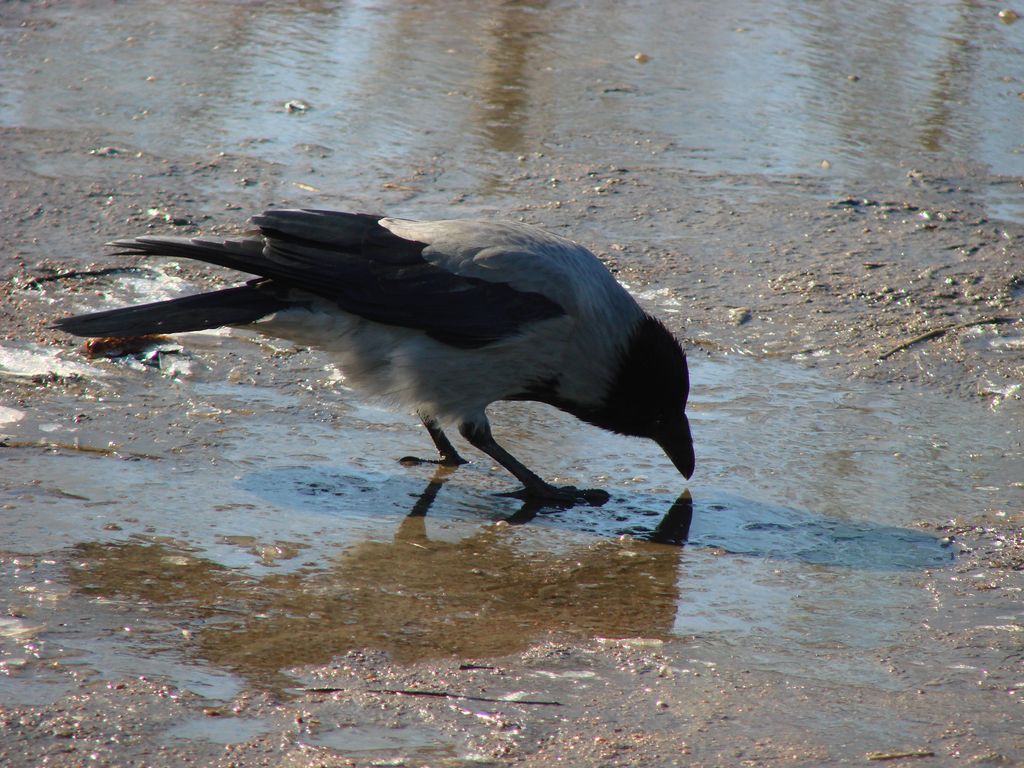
pixel 533 487
pixel 448 456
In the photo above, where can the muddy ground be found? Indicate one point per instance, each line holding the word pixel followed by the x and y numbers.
pixel 910 284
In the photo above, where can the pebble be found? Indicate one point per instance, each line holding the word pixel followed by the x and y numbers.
pixel 740 315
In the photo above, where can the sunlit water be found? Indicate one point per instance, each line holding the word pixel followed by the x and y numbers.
pixel 237 530
pixel 872 91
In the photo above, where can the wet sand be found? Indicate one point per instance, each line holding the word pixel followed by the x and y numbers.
pixel 216 560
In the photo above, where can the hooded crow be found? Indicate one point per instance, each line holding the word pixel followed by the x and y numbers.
pixel 444 317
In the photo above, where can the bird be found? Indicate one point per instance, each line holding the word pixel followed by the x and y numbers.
pixel 441 318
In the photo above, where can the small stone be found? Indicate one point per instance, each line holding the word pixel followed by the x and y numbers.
pixel 740 315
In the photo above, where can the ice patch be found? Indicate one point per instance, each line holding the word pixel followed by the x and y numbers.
pixel 10 415
pixel 34 360
pixel 662 298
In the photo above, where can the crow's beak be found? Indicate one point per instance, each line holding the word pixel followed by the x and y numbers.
pixel 676 442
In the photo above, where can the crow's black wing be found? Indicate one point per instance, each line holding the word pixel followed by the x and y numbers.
pixel 350 259
pixel 354 261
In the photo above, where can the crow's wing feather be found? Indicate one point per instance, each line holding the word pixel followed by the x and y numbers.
pixel 523 257
pixel 245 255
pixel 376 274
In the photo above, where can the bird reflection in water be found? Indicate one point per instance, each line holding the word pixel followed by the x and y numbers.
pixel 493 592
pixel 674 527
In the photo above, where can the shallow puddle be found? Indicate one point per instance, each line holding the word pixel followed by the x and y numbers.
pixel 355 740
pixel 346 97
pixel 219 730
pixel 218 535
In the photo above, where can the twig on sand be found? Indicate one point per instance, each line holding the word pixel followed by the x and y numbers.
pixel 935 333
pixel 899 755
pixel 449 695
pixel 80 273
pixel 443 695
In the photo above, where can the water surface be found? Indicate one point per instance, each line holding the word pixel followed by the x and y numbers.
pixel 431 97
pixel 232 532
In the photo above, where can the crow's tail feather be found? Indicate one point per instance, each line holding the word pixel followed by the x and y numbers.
pixel 231 306
pixel 245 255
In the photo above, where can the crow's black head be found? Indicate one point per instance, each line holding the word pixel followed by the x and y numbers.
pixel 647 397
